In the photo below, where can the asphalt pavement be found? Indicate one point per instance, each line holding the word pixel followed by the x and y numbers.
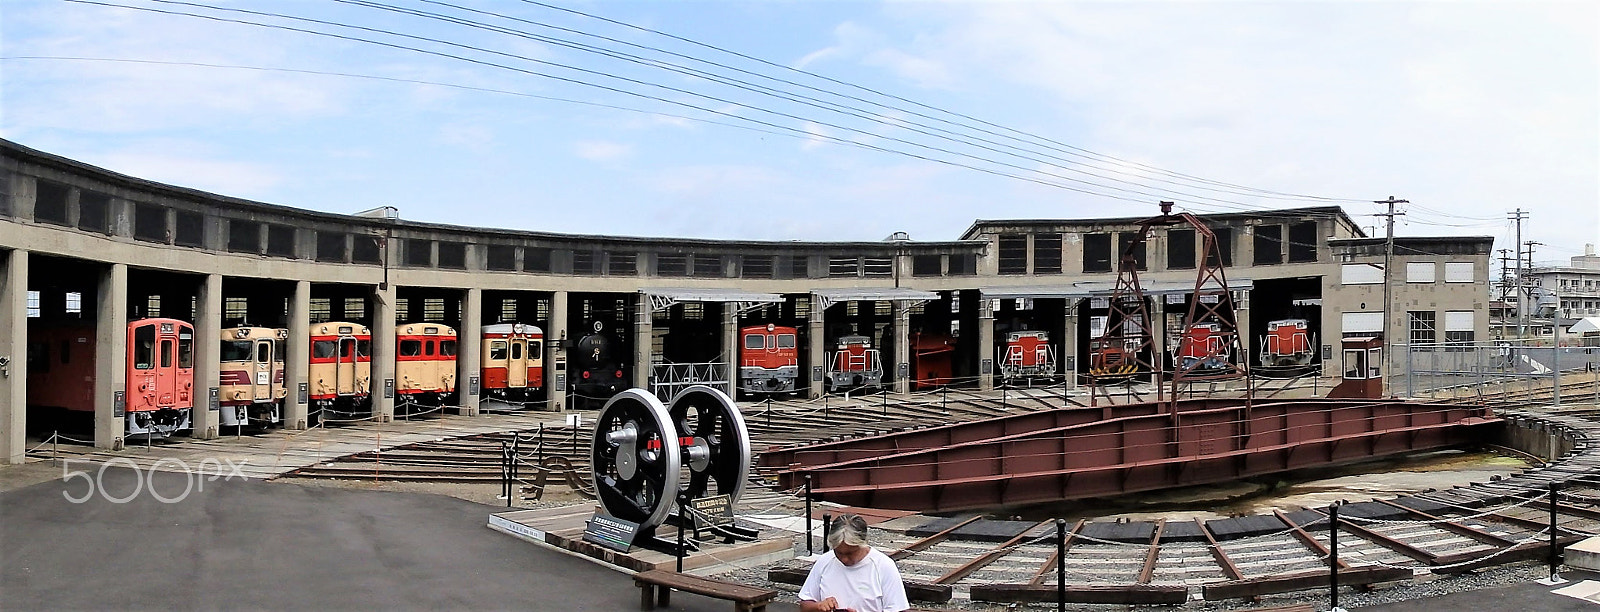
pixel 273 546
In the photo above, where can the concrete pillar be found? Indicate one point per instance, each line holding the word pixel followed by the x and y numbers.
pixel 730 345
pixel 817 349
pixel 1069 344
pixel 469 382
pixel 383 353
pixel 111 358
pixel 1158 326
pixel 297 357
pixel 1242 319
pixel 986 364
pixel 900 369
pixel 555 380
pixel 643 325
pixel 14 350
pixel 207 355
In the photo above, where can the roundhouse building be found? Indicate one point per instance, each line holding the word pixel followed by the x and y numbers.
pixel 85 245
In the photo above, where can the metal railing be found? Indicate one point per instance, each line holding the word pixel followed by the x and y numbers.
pixel 667 380
pixel 1534 368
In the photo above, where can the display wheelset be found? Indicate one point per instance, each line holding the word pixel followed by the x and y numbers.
pixel 647 456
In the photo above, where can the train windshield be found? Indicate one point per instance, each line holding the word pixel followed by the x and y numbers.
pixel 277 351
pixel 533 349
pixel 321 349
pixel 786 341
pixel 185 351
pixel 166 353
pixel 239 350
pixel 447 348
pixel 516 351
pixel 263 352
pixel 364 348
pixel 410 348
pixel 144 347
pixel 754 341
pixel 497 350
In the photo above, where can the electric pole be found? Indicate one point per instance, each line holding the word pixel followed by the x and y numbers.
pixel 1505 284
pixel 1530 281
pixel 1388 263
pixel 1522 309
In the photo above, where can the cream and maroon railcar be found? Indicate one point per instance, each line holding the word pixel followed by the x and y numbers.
pixel 251 376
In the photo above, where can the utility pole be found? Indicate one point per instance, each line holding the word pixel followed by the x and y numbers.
pixel 1522 309
pixel 1528 278
pixel 1505 284
pixel 1388 264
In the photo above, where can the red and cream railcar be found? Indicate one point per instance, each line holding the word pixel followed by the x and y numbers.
pixel 158 396
pixel 769 359
pixel 340 372
pixel 425 363
pixel 854 364
pixel 1028 354
pixel 251 376
pixel 513 361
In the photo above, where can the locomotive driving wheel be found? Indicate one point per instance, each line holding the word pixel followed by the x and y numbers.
pixel 716 445
pixel 635 458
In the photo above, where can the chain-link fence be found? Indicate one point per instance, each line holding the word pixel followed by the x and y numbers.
pixel 1502 370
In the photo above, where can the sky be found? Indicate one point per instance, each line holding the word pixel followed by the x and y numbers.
pixel 829 120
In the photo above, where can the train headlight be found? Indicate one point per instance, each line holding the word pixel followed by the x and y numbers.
pixel 241 333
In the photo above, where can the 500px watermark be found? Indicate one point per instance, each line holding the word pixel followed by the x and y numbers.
pixel 195 478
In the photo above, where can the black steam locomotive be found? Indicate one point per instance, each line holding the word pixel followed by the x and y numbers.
pixel 597 369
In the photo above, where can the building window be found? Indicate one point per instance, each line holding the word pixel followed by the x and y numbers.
pixel 364 249
pixel 756 266
pixel 1127 241
pixel 33 304
pixel 321 310
pixel 402 309
pixel 1458 326
pixel 74 302
pixel 1458 272
pixel 1180 249
pixel 672 265
pixel 1013 254
pixel 419 252
pixel 1303 242
pixel 1420 271
pixel 92 211
pixel 244 236
pixel 5 193
pixel 802 307
pixel 583 262
pixel 433 309
pixel 1353 324
pixel 693 311
pixel 452 255
pixel 878 266
pixel 354 309
pixel 1224 245
pixel 843 267
pixel 1269 245
pixel 622 264
pixel 50 206
pixel 330 246
pixel 1047 253
pixel 799 266
pixel 191 229
pixel 235 310
pixel 1422 326
pixel 1097 253
pixel 149 223
pixel 535 260
pixel 709 266
pixel 926 265
pixel 963 264
pixel 1361 274
pixel 280 240
pixel 508 310
pixel 502 258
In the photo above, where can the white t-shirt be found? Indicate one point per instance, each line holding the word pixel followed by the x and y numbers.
pixel 872 585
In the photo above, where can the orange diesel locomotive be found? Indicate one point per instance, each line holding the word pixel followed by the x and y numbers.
pixel 341 367
pixel 250 376
pixel 513 361
pixel 1028 355
pixel 769 361
pixel 854 364
pixel 1286 350
pixel 425 363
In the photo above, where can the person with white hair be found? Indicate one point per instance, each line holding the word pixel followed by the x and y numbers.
pixel 853 577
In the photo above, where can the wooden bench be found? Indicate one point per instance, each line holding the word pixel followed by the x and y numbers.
pixel 656 590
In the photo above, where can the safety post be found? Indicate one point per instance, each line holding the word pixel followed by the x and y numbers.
pixel 827 417
pixel 1061 565
pixel 505 472
pixel 809 549
pixel 827 526
pixel 1333 557
pixel 769 412
pixel 1003 398
pixel 885 401
pixel 683 518
pixel 541 443
pixel 944 397
pixel 1555 556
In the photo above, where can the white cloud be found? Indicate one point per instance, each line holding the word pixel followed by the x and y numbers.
pixel 204 172
pixel 599 150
